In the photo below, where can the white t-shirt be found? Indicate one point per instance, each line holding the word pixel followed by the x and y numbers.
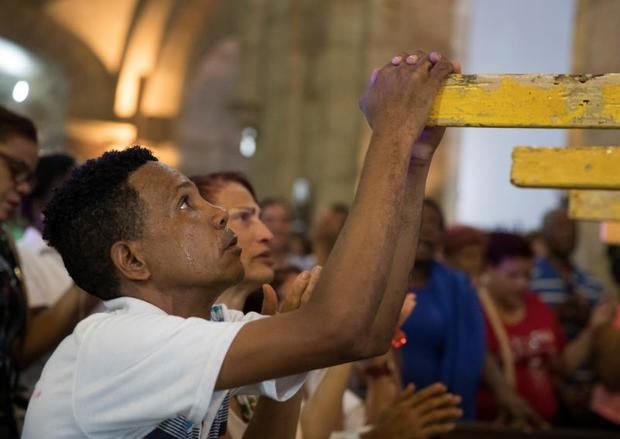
pixel 123 372
pixel 45 274
pixel 46 280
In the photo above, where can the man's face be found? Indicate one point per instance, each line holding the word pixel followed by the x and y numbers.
pixel 18 161
pixel 561 234
pixel 430 234
pixel 186 242
pixel 278 219
pixel 253 234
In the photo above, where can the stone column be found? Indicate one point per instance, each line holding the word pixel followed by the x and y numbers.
pixel 316 57
pixel 595 51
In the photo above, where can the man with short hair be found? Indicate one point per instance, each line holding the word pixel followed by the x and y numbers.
pixel 558 281
pixel 137 234
pixel 573 294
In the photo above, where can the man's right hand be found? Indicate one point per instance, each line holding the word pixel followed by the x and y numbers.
pixel 400 95
pixel 418 415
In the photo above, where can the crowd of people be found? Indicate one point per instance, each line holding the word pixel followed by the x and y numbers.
pixel 138 302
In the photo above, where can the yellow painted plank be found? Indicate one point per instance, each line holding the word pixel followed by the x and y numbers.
pixel 584 167
pixel 537 101
pixel 594 205
pixel 610 232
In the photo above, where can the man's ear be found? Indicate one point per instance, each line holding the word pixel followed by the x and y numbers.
pixel 127 258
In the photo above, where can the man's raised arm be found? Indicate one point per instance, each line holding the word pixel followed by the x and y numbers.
pixel 335 326
pixel 404 255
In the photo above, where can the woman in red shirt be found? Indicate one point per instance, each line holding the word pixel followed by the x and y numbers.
pixel 522 332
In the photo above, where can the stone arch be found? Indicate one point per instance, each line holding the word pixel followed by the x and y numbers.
pixel 91 86
pixel 208 130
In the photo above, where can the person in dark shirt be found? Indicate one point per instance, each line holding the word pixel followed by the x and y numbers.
pixel 23 337
pixel 445 334
pixel 18 158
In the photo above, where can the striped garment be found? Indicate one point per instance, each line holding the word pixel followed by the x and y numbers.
pixel 554 290
pixel 181 427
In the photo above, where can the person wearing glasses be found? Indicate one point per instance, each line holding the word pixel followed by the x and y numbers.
pixel 23 337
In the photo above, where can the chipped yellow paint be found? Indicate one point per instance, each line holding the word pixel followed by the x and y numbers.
pixel 610 232
pixel 594 205
pixel 584 167
pixel 538 101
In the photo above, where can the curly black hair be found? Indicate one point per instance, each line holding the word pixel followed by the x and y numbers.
pixel 94 209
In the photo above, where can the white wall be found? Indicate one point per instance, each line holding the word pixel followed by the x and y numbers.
pixel 510 36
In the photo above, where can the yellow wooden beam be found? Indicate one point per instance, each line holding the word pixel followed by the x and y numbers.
pixel 584 167
pixel 610 232
pixel 537 101
pixel 594 205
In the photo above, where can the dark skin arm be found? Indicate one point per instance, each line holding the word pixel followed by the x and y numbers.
pixel 273 419
pixel 418 415
pixel 410 215
pixel 336 325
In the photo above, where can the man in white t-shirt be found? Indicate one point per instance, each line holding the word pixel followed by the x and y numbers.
pixel 138 235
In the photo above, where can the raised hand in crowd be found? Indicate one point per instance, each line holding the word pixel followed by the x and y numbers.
pixel 300 293
pixel 278 420
pixel 580 349
pixel 418 414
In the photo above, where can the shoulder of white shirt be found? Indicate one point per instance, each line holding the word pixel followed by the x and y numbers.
pixel 32 241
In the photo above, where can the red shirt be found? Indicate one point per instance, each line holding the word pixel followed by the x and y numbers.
pixel 536 343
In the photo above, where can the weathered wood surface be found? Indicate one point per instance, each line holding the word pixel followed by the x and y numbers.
pixel 594 205
pixel 584 167
pixel 534 101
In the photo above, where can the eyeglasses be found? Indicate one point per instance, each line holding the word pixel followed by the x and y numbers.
pixel 19 170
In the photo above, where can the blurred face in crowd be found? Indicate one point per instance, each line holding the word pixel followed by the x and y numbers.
pixel 298 245
pixel 430 234
pixel 560 233
pixel 253 235
pixel 277 218
pixel 18 161
pixel 328 224
pixel 469 259
pixel 509 281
